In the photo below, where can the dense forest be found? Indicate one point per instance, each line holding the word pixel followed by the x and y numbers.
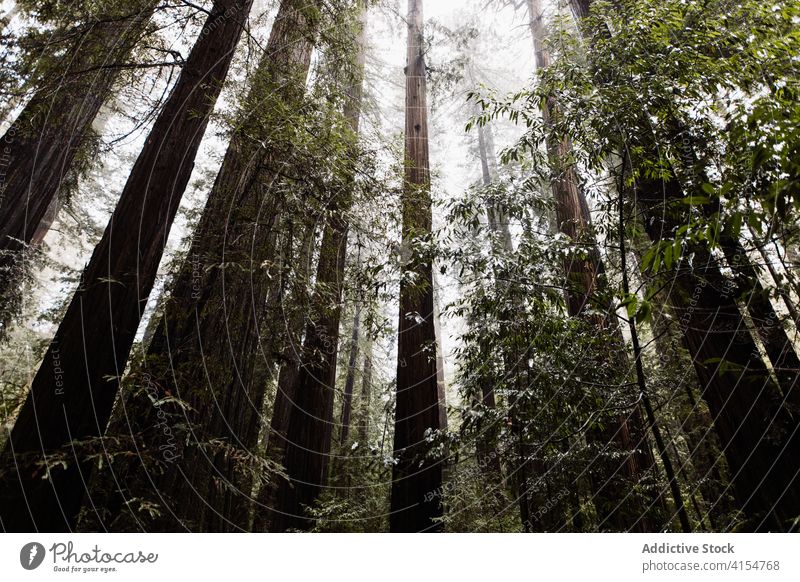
pixel 349 266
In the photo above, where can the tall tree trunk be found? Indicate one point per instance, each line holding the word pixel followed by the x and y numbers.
pixel 501 242
pixel 626 431
pixel 416 474
pixel 366 395
pixel 219 338
pixel 759 436
pixel 779 348
pixel 310 428
pixel 705 455
pixel 43 146
pixel 350 379
pixel 289 369
pixel 74 390
pixel 768 324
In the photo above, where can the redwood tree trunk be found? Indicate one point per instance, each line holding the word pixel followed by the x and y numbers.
pixel 41 146
pixel 759 436
pixel 350 379
pixel 74 390
pixel 768 324
pixel 221 332
pixel 310 427
pixel 416 475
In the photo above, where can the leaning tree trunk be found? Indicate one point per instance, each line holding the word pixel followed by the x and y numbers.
pixel 583 276
pixel 759 436
pixel 310 428
pixel 705 456
pixel 43 146
pixel 219 339
pixel 416 474
pixel 74 390
pixel 780 280
pixel 768 324
pixel 779 348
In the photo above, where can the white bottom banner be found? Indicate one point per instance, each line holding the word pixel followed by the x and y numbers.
pixel 406 558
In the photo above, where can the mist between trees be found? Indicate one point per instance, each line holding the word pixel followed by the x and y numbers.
pixel 352 265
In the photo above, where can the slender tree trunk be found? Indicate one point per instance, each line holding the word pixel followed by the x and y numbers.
pixel 416 475
pixel 310 428
pixel 350 379
pixel 501 242
pixel 74 390
pixel 641 381
pixel 41 149
pixel 366 395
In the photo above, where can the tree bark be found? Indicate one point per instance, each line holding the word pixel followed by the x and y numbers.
pixel 416 475
pixel 310 427
pixel 759 436
pixel 40 150
pixel 768 324
pixel 350 379
pixel 222 328
pixel 74 390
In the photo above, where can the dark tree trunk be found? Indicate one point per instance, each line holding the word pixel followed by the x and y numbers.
pixel 222 332
pixel 580 8
pixel 40 148
pixel 416 475
pixel 768 324
pixel 74 390
pixel 281 409
pixel 310 428
pixel 759 436
pixel 705 456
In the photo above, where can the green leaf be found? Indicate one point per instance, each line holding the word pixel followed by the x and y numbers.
pixel 695 200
